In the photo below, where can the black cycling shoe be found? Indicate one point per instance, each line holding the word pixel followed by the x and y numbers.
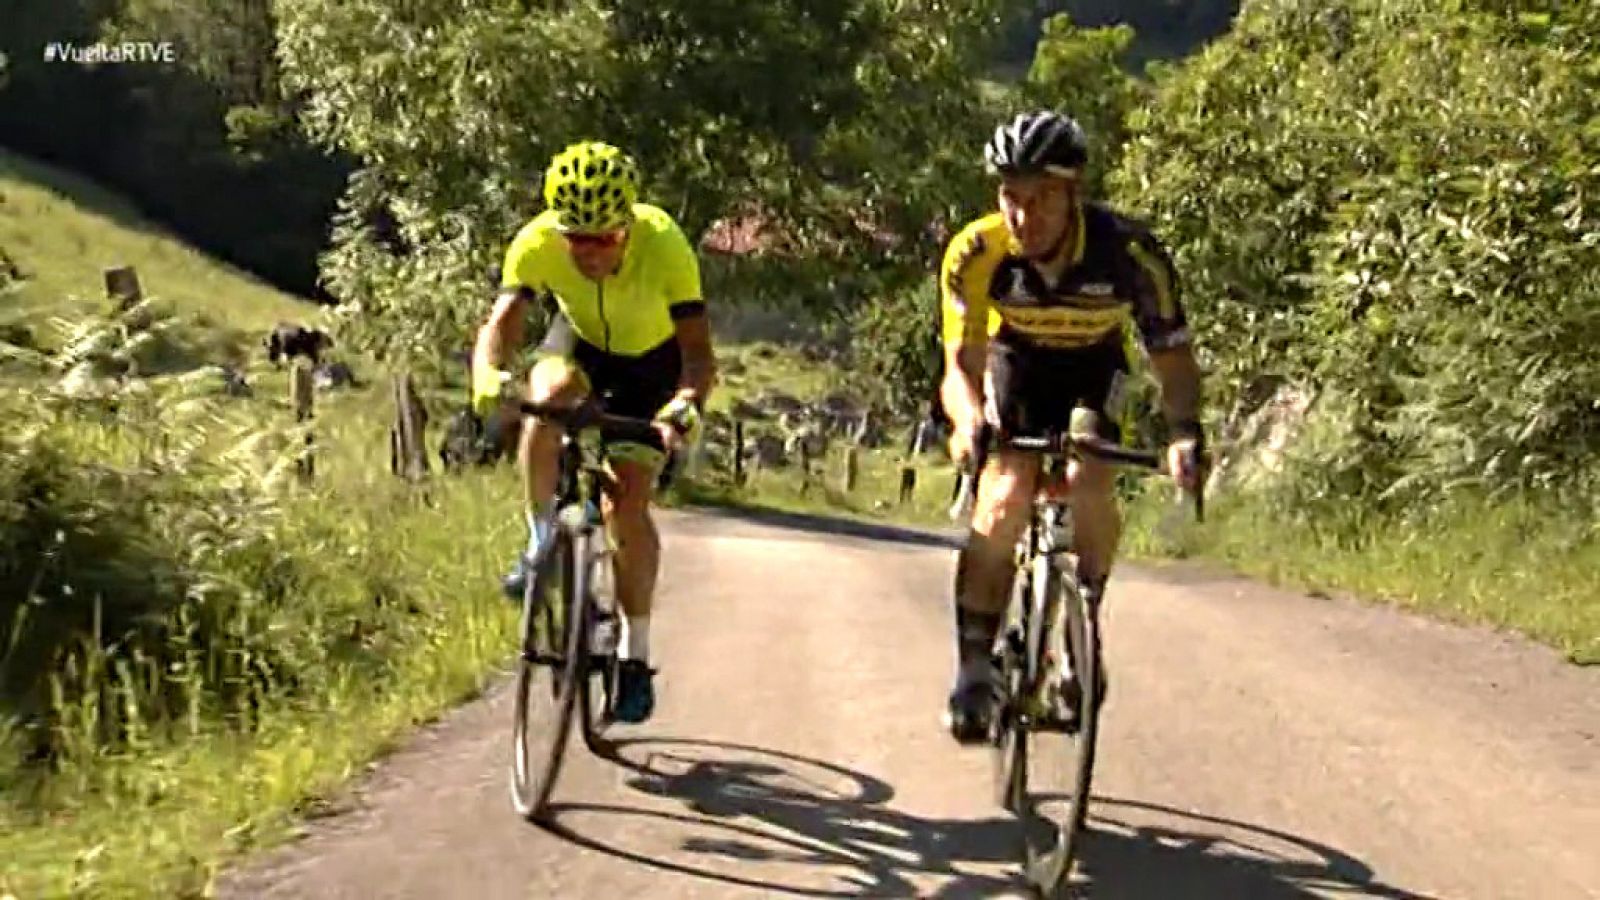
pixel 636 692
pixel 970 715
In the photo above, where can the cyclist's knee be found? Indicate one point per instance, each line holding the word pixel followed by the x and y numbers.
pixel 630 496
pixel 556 379
pixel 1003 501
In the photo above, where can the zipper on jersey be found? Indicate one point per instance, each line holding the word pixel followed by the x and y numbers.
pixel 600 293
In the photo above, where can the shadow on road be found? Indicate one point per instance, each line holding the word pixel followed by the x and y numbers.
pixel 779 809
pixel 830 525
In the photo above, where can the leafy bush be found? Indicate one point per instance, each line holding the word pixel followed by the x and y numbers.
pixel 1389 200
pixel 1078 71
pixel 896 347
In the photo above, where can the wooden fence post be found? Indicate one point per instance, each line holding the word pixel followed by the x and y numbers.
pixel 908 482
pixel 805 466
pixel 303 398
pixel 851 469
pixel 407 443
pixel 738 452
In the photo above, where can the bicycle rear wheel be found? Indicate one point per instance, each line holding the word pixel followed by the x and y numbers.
pixel 599 684
pixel 548 676
pixel 1056 791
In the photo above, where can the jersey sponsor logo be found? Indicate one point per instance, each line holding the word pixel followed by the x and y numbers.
pixel 1096 289
pixel 1065 322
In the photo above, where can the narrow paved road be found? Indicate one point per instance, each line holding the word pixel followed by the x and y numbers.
pixel 1257 744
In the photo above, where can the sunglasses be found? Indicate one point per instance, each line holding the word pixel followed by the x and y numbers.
pixel 602 240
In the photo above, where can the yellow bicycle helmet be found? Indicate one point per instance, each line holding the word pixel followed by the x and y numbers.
pixel 592 186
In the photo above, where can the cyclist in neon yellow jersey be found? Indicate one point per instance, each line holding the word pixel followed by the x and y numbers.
pixel 629 322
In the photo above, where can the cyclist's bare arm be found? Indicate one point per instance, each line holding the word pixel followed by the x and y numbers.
pixel 962 390
pixel 1178 372
pixel 699 359
pixel 503 331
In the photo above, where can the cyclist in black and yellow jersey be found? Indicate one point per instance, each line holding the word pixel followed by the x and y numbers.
pixel 630 322
pixel 1037 301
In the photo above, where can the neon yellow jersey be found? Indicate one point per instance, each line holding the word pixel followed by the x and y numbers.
pixel 629 313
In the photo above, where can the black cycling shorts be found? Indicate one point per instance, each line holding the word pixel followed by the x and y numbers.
pixel 633 386
pixel 1033 390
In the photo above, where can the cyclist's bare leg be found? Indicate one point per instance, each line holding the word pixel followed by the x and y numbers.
pixel 1097 522
pixel 985 570
pixel 638 556
pixel 553 380
pixel 986 566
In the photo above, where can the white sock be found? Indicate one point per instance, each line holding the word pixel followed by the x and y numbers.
pixel 635 642
pixel 533 531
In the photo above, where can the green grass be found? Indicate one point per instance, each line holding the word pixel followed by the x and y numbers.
pixel 766 366
pixel 162 822
pixel 1521 565
pixel 160 818
pixel 62 231
pixel 372 603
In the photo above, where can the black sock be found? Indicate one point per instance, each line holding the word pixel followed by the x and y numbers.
pixel 975 632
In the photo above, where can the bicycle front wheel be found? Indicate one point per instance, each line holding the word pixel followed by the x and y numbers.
pixel 1059 779
pixel 548 675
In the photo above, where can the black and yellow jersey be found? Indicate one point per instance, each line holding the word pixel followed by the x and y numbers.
pixel 1119 274
pixel 629 313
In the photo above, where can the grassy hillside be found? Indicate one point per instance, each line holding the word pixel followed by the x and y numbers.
pixel 61 232
pixel 194 648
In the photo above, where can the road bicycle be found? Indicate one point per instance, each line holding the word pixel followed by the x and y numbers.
pixel 1049 657
pixel 568 655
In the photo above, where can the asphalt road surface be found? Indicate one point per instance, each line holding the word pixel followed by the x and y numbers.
pixel 1256 744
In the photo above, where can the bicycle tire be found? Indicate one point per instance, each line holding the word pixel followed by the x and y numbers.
pixel 1010 738
pixel 1050 871
pixel 598 687
pixel 533 780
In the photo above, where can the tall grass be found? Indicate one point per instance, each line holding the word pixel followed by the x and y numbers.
pixel 192 644
pixel 1524 563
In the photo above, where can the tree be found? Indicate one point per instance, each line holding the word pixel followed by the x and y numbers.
pixel 833 121
pixel 1387 200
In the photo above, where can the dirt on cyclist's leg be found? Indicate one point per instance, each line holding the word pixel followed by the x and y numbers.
pixel 1097 521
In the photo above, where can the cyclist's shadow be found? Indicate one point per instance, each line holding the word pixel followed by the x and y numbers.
pixel 785 810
